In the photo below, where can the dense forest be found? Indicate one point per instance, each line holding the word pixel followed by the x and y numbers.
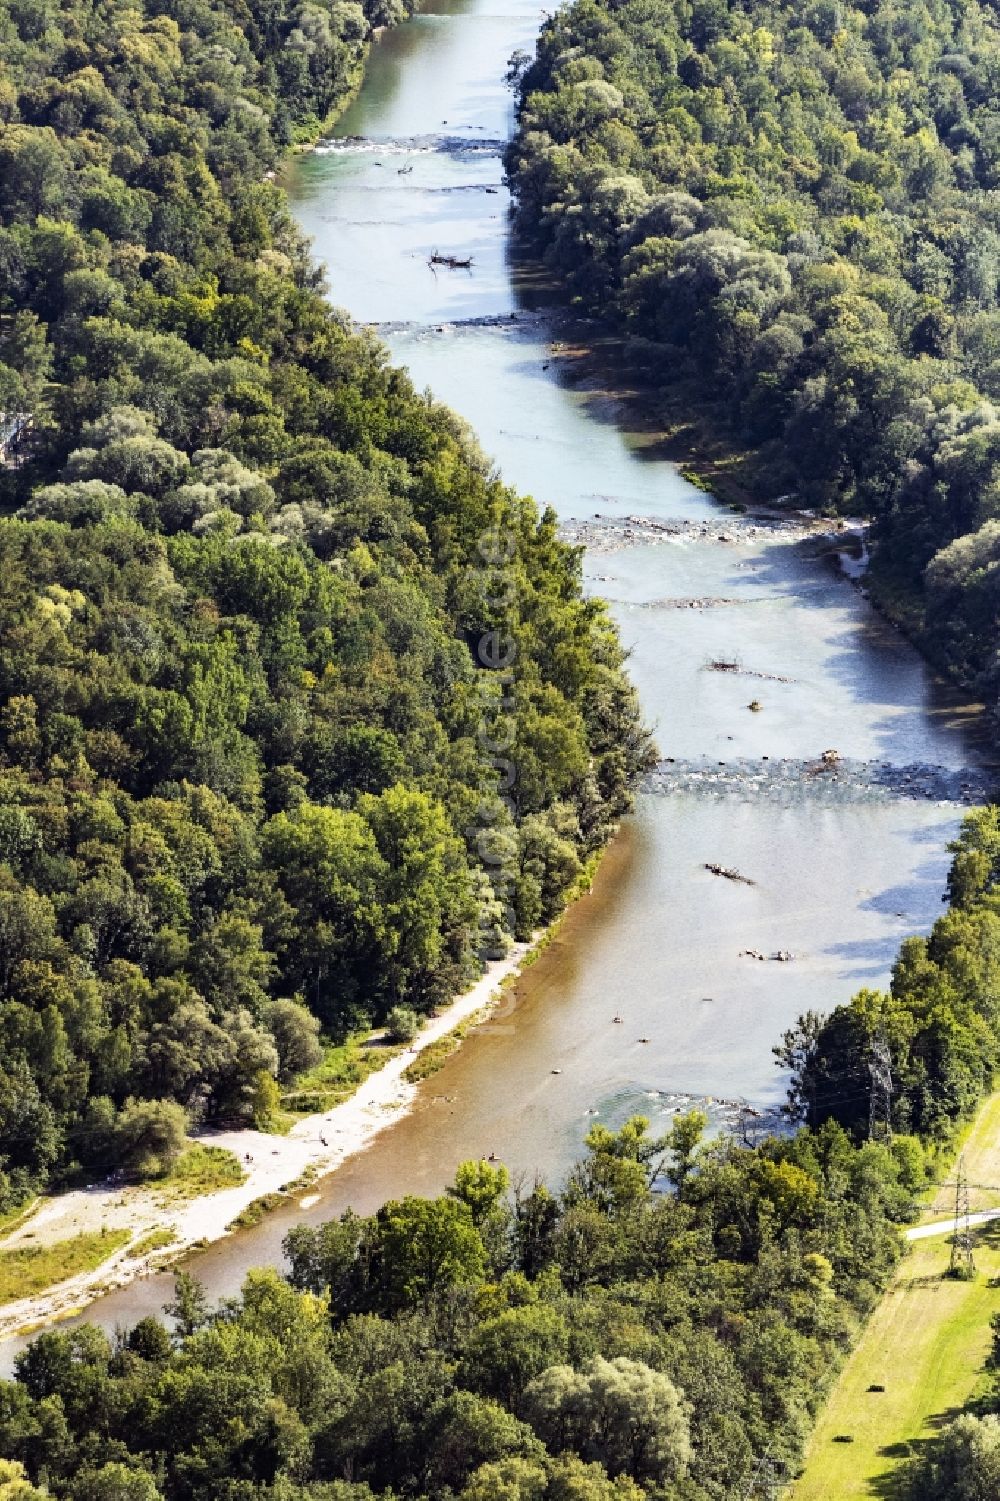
pixel 791 213
pixel 603 1344
pixel 664 1326
pixel 258 774
pixel 258 766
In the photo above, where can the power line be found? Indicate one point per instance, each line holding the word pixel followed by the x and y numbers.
pixel 950 1183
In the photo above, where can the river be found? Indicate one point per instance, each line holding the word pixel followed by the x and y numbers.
pixel 841 871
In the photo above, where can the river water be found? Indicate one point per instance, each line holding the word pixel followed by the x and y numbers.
pixel 842 869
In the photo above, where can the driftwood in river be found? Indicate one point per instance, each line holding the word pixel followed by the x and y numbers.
pixel 730 875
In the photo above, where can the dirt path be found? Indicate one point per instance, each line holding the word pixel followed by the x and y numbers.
pixel 319 1143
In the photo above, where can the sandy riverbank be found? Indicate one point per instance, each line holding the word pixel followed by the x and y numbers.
pixel 316 1144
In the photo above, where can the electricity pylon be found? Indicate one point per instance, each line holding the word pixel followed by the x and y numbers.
pixel 880 1095
pixel 765 1481
pixel 961 1263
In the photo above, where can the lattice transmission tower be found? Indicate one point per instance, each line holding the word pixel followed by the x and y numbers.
pixel 767 1479
pixel 961 1263
pixel 880 1093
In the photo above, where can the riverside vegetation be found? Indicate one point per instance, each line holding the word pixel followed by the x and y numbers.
pixel 940 1019
pixel 606 1343
pixel 239 729
pixel 243 780
pixel 941 1023
pixel 790 213
pixel 676 1312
